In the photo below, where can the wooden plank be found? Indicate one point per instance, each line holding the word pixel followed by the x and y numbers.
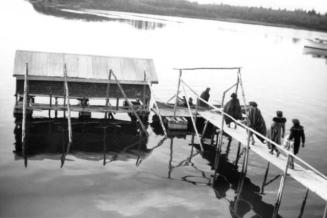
pixel 78 108
pixel 306 177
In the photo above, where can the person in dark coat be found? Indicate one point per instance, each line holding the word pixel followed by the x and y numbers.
pixel 256 121
pixel 233 108
pixel 275 135
pixel 205 96
pixel 280 122
pixel 298 136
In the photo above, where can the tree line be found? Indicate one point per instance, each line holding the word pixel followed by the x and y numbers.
pixel 297 18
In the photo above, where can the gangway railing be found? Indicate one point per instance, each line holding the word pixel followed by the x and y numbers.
pixel 250 131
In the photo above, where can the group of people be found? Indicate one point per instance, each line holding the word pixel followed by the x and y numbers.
pixel 255 121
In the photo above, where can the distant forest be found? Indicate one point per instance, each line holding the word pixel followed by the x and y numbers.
pixel 298 18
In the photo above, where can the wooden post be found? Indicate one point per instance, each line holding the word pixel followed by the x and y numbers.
pixel 107 93
pixel 281 188
pixel 130 105
pixel 104 145
pixel 204 129
pixel 117 103
pixel 178 85
pixel 69 123
pixel 64 106
pixel 237 80
pixel 265 179
pixel 56 104
pixel 144 103
pixel 193 122
pixel 220 138
pixel 50 103
pixel 325 212
pixel 303 203
pixel 156 105
pixel 25 99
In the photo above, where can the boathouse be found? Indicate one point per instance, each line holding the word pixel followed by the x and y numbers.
pixel 115 79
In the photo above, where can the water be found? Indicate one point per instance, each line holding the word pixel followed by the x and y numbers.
pixel 277 72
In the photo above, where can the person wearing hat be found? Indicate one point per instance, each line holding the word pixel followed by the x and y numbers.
pixel 274 134
pixel 255 121
pixel 298 136
pixel 233 108
pixel 205 96
pixel 280 122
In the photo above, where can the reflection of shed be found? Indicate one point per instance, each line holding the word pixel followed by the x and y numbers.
pixel 87 77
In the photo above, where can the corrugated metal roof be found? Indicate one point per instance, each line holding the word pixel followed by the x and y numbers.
pixel 83 68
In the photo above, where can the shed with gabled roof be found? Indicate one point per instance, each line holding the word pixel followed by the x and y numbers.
pixel 87 75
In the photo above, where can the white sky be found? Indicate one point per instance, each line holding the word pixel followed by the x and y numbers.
pixel 318 5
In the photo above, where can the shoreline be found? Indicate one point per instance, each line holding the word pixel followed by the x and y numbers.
pixel 56 9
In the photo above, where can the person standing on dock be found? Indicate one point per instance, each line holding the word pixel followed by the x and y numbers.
pixel 298 136
pixel 256 121
pixel 205 96
pixel 233 108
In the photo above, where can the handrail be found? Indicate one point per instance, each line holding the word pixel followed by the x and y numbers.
pixel 257 133
pixel 209 68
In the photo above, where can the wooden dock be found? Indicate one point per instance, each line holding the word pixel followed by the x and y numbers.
pixel 307 177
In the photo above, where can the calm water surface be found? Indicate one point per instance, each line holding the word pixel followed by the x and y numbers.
pixel 277 72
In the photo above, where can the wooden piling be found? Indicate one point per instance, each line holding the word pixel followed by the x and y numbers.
pixel 204 129
pixel 107 93
pixel 69 123
pixel 281 188
pixel 238 153
pixel 193 122
pixel 157 107
pixel 170 166
pixel 25 100
pixel 50 103
pixel 178 86
pixel 130 105
pixel 56 104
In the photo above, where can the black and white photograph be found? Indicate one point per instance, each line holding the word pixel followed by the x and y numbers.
pixel 163 109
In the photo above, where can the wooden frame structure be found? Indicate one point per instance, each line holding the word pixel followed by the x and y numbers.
pixel 73 76
pixel 304 173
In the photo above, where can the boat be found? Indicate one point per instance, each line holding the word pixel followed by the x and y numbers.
pixel 316 43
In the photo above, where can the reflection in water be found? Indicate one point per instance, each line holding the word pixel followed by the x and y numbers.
pixel 247 199
pixel 54 11
pixel 93 139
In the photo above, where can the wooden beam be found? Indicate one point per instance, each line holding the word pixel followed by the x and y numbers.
pixel 130 105
pixel 158 110
pixel 178 85
pixel 193 122
pixel 25 100
pixel 281 189
pixel 69 122
pixel 107 92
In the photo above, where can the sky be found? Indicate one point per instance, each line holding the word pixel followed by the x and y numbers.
pixel 318 5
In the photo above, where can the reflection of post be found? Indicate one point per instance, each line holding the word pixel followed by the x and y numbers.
pixel 24 115
pixel 239 192
pixel 238 153
pixel 303 204
pixel 281 188
pixel 265 179
pixel 178 85
pixel 56 104
pixel 170 167
pixel 50 103
pixel 104 145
